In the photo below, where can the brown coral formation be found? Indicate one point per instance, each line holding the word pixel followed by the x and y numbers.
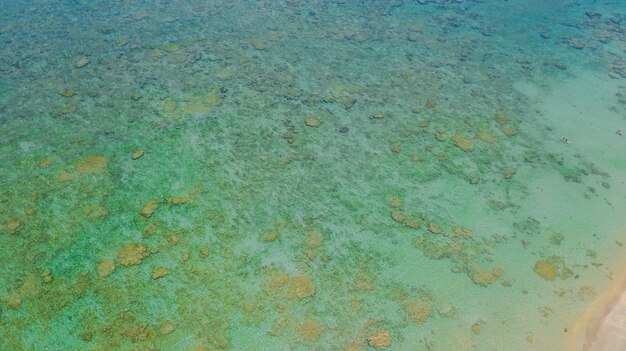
pixel 509 172
pixel 397 216
pixel 43 164
pixel 167 328
pixel 311 329
pixel 463 143
pixel 149 207
pixel 177 200
pixel 271 236
pixel 13 225
pixel 485 277
pixel 92 164
pixel 380 340
pixel 160 273
pixel 462 231
pixel 137 154
pixel 312 122
pixel 313 239
pixel 419 311
pixel 132 254
pixel 395 202
pixel 502 119
pixel 105 268
pixel 301 287
pixel 487 135
pixel 508 130
pixel 95 212
pixel 413 224
pixel 546 269
pixel 81 62
pixel 434 228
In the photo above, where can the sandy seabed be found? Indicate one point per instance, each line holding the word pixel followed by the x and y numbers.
pixel 603 325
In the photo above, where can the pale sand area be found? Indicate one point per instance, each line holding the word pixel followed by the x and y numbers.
pixel 583 109
pixel 603 326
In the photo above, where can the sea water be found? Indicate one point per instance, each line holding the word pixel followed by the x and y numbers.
pixel 308 175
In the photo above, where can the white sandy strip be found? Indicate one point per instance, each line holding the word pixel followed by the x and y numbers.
pixel 603 326
pixel 611 335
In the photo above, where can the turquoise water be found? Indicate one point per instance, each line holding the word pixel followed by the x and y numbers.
pixel 308 175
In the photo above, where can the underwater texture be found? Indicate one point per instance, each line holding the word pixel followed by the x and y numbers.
pixel 308 175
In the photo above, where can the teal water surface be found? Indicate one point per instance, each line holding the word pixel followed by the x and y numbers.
pixel 308 175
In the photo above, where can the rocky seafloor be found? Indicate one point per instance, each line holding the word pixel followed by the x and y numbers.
pixel 308 175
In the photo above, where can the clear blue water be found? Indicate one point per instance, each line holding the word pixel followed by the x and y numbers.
pixel 308 175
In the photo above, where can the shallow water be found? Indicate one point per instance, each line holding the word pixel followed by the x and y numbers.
pixel 308 175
